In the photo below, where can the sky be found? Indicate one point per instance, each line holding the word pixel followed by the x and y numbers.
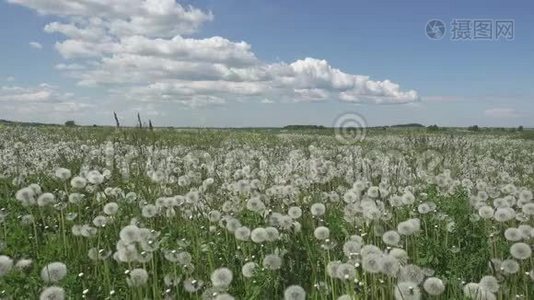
pixel 229 63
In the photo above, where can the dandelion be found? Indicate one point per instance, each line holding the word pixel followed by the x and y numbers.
pixel 6 264
pixel 485 212
pixel 22 264
pixel 26 196
pixel 528 208
pixel 294 212
pixel 509 266
pixel 272 234
pixel 192 285
pixel 407 291
pixel 248 269
pixel 63 174
pixel 434 286
pixel 221 277
pixel 372 263
pixel 411 273
pixel 138 277
pixel 272 262
pixel 149 211
pixel 130 234
pixel 521 251
pixel 504 214
pixel 242 233
pixel 52 293
pixel 489 283
pixel 111 208
pixel 318 209
pixel 294 292
pixel 258 235
pixel 345 271
pixel 321 233
pixel 53 272
pixel 391 238
pixel 390 265
pixel 78 182
pixel 512 234
pixel 351 248
pixel 94 177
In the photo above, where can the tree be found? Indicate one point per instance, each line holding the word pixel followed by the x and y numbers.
pixel 473 128
pixel 70 123
pixel 433 128
pixel 520 128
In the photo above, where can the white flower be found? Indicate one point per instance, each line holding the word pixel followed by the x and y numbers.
pixel 407 291
pixel 509 266
pixel 242 233
pixel 318 209
pixel 138 277
pixel 221 277
pixel 294 212
pixel 512 234
pixel 391 238
pixel 130 234
pixel 78 182
pixel 351 248
pixel 294 292
pixel 321 233
pixel 372 263
pixel 52 293
pixel 434 286
pixel 521 251
pixel 53 272
pixel 248 269
pixel 258 235
pixel 272 262
pixel 6 264
pixel 23 264
pixel 489 283
pixel 111 208
pixel 63 174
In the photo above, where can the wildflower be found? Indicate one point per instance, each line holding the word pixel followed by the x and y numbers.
pixel 351 248
pixel 26 196
pixel 63 174
pixel 52 293
pixel 390 265
pixel 512 234
pixel 294 212
pixel 46 199
pixel 192 285
pixel 242 233
pixel 6 264
pixel 372 263
pixel 504 214
pixel 528 208
pixel 272 234
pixel 294 292
pixel 407 291
pixel 258 235
pixel 78 182
pixel 272 262
pixel 318 209
pixel 138 277
pixel 485 212
pixel 489 283
pixel 221 277
pixel 434 286
pixel 149 211
pixel 53 272
pixel 391 238
pixel 130 234
pixel 521 251
pixel 248 269
pixel 411 273
pixel 321 233
pixel 111 208
pixel 509 266
pixel 23 264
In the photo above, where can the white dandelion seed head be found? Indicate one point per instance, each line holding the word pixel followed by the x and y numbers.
pixel 221 277
pixel 521 251
pixel 111 208
pixel 6 264
pixel 318 209
pixel 78 182
pixel 294 292
pixel 321 233
pixel 391 238
pixel 258 235
pixel 63 174
pixel 272 262
pixel 248 269
pixel 509 266
pixel 138 277
pixel 489 283
pixel 407 291
pixel 52 293
pixel 53 272
pixel 434 286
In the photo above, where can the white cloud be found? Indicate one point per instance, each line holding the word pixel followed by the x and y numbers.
pixel 137 49
pixel 36 45
pixel 502 113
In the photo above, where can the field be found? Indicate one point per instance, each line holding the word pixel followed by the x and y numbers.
pixel 104 213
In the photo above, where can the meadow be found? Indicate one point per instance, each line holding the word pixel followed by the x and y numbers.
pixel 105 213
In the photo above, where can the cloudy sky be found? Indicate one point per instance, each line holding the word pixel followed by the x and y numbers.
pixel 263 63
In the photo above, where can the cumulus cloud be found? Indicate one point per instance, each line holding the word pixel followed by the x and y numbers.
pixel 502 113
pixel 36 45
pixel 139 49
pixel 33 102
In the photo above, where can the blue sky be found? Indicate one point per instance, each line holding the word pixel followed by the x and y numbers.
pixel 268 81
